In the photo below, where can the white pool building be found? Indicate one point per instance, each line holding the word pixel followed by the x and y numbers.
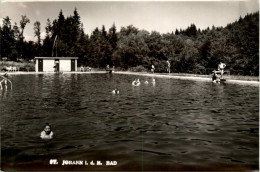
pixel 59 64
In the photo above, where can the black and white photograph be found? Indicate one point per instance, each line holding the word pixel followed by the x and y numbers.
pixel 105 85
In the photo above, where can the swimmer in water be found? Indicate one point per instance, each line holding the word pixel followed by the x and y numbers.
pixel 115 91
pixel 153 82
pixel 146 82
pixel 47 133
pixel 136 82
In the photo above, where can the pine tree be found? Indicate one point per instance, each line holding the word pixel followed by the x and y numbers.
pixel 104 32
pixel 47 43
pixel 113 38
pixel 176 32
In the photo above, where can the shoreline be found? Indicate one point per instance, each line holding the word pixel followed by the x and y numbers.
pixel 159 75
pixel 191 77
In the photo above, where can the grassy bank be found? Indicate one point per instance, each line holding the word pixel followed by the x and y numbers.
pixel 229 77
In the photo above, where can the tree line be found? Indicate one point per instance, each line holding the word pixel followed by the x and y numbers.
pixel 189 50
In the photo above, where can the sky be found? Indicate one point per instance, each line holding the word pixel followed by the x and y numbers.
pixel 160 16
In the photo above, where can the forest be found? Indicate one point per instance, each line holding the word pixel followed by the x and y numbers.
pixel 189 50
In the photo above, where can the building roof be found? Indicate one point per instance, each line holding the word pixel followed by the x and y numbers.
pixel 53 58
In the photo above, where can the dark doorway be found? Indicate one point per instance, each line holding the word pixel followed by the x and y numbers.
pixel 72 65
pixel 40 65
pixel 57 65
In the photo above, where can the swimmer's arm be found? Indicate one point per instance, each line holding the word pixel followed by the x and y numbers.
pixel 42 134
pixel 51 134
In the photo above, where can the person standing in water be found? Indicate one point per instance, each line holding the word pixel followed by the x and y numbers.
pixel 169 66
pixel 152 69
pixel 221 67
pixel 81 68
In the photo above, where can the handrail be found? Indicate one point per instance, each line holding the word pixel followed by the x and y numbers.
pixel 9 81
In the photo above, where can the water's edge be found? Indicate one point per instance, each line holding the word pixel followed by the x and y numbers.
pixel 192 77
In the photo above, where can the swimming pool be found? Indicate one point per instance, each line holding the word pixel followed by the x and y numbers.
pixel 170 125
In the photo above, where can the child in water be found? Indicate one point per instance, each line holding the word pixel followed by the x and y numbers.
pixel 47 133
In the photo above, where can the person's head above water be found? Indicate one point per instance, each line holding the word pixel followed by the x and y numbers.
pixel 47 128
pixel 115 91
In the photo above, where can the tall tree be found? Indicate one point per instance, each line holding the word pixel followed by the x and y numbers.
pixel 125 31
pixel 75 30
pixel 37 31
pixel 176 32
pixel 112 36
pixel 76 18
pixel 23 23
pixel 47 43
pixel 61 19
pixel 16 32
pixel 48 28
pixel 104 32
pixel 7 39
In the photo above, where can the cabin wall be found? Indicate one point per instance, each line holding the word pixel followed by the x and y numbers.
pixel 48 65
pixel 65 65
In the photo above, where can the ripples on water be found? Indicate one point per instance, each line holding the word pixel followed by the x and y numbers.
pixel 171 125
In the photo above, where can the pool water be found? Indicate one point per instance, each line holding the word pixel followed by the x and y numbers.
pixel 170 125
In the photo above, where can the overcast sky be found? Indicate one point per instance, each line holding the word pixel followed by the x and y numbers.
pixel 161 16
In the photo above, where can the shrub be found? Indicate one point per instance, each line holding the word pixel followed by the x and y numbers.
pixel 138 69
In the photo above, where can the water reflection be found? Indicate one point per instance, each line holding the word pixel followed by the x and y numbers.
pixel 171 122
